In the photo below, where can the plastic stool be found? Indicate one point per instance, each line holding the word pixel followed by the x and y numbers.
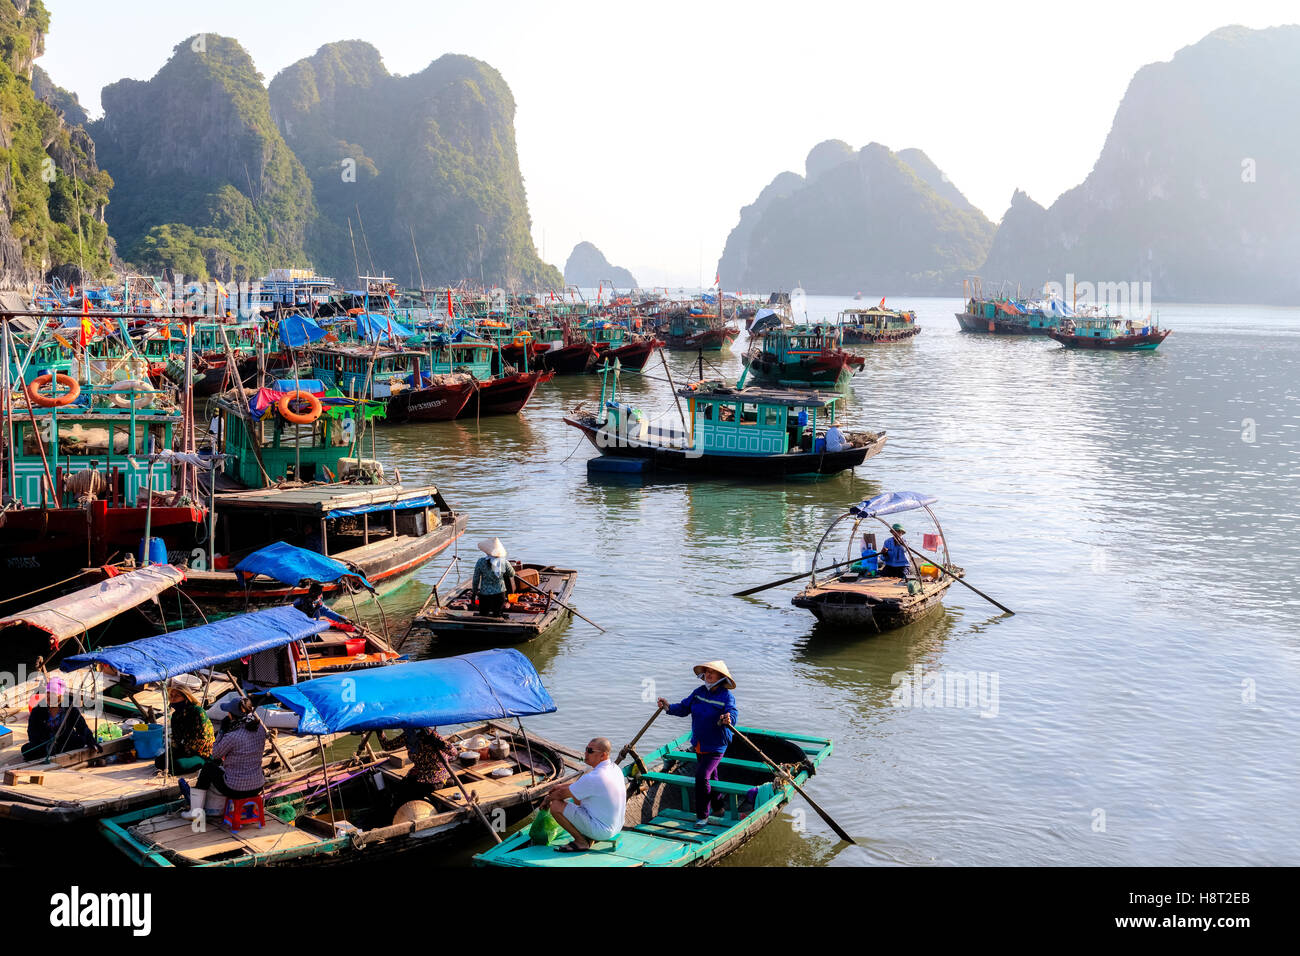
pixel 235 815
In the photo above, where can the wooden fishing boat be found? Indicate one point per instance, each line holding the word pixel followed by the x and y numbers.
pixel 860 598
pixel 357 809
pixel 695 332
pixel 385 533
pixel 86 784
pixel 752 432
pixel 1108 334
pixel 1003 314
pixel 634 354
pixel 504 395
pixel 877 326
pixel 527 614
pixel 800 356
pixel 659 827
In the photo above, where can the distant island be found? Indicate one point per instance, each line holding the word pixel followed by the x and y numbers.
pixel 587 267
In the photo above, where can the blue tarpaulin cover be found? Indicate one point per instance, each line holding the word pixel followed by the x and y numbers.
pixel 313 385
pixel 297 330
pixel 424 501
pixel 290 565
pixel 485 685
pixel 183 652
pixel 371 327
pixel 892 502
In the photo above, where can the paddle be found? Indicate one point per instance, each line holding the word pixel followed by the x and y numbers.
pixel 956 578
pixel 793 577
pixel 790 780
pixel 628 749
pixel 473 803
pixel 559 602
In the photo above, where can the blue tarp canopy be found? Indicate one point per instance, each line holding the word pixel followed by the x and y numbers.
pixel 372 327
pixel 313 385
pixel 485 685
pixel 298 330
pixel 183 652
pixel 892 502
pixel 424 501
pixel 290 565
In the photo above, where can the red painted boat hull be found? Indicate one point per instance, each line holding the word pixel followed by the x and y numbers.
pixel 504 396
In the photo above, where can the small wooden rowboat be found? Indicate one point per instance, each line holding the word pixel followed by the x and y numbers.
pixel 859 597
pixel 527 614
pixel 659 826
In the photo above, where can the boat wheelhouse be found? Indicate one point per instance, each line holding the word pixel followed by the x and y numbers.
pixel 756 432
pixel 800 356
pixel 396 376
pixel 877 326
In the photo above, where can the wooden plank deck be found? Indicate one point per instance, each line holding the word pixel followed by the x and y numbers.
pixel 175 834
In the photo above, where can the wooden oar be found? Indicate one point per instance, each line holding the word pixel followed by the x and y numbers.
pixel 790 780
pixel 473 803
pixel 793 577
pixel 559 602
pixel 956 578
pixel 628 748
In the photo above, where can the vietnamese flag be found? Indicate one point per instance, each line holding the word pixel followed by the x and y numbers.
pixel 930 542
pixel 882 302
pixel 450 313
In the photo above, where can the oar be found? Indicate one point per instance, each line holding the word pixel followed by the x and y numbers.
pixel 559 602
pixel 793 577
pixel 790 780
pixel 959 580
pixel 628 749
pixel 468 799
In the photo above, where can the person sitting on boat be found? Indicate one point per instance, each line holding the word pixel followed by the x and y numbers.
pixel 192 733
pixel 428 773
pixel 235 765
pixel 599 800
pixel 712 709
pixel 54 729
pixel 491 573
pixel 895 554
pixel 835 440
pixel 313 605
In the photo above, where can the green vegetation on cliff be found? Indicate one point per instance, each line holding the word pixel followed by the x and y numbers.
pixel 206 185
pixel 432 153
pixel 52 194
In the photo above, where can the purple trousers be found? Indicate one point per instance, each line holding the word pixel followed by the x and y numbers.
pixel 706 768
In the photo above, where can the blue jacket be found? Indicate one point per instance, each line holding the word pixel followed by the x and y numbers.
pixel 706 707
pixel 895 554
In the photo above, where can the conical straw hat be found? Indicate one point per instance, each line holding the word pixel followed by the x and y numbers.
pixel 721 668
pixel 492 547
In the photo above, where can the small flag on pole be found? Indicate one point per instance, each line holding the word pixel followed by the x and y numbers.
pixel 930 542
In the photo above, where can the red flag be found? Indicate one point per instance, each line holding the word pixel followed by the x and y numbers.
pixel 450 314
pixel 717 280
pixel 599 291
pixel 930 542
pixel 86 333
pixel 882 302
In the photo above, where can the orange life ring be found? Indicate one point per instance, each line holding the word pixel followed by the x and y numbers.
pixel 299 418
pixel 53 401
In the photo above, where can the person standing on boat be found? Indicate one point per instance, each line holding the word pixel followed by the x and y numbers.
pixel 712 709
pixel 599 800
pixel 895 554
pixel 491 574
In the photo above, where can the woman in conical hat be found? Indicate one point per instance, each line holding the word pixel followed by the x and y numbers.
pixel 491 574
pixel 712 709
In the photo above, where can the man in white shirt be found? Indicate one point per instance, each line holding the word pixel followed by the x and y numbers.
pixel 835 440
pixel 599 800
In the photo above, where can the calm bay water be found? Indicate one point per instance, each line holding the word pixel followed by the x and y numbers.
pixel 1138 512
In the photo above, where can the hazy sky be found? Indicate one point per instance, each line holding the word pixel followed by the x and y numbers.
pixel 644 127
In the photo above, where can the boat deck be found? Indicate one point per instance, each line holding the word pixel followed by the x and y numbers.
pixel 214 841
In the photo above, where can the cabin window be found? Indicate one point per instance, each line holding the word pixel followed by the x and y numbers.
pixel 707 408
pixel 771 417
pixel 749 414
pixel 727 412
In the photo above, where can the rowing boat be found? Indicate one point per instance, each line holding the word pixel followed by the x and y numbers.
pixel 527 614
pixel 659 826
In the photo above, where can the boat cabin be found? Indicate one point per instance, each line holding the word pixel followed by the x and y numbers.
pixel 347 368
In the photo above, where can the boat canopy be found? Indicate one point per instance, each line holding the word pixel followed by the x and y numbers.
pixel 372 327
pixel 485 685
pixel 291 566
pixel 298 330
pixel 183 652
pixel 892 502
pixel 76 613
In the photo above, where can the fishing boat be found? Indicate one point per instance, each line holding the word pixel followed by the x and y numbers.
pixel 87 784
pixel 527 614
pixel 362 808
pixel 659 827
pixel 799 356
pixel 498 389
pixel 877 326
pixel 384 533
pixel 1003 314
pixel 1106 333
pixel 394 376
pixel 860 597
pixel 697 331
pixel 753 432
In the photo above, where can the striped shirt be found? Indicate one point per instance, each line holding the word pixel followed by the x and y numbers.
pixel 240 753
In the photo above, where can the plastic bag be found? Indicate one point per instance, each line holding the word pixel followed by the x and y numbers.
pixel 544 830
